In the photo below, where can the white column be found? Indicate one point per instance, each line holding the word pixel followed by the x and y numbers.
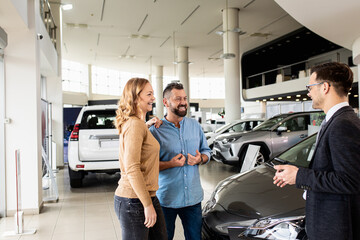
pixel 89 90
pixel 159 92
pixel 183 69
pixel 356 60
pixel 231 66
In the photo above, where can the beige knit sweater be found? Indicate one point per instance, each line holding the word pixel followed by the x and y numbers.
pixel 139 162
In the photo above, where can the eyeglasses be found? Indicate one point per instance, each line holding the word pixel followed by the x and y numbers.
pixel 308 87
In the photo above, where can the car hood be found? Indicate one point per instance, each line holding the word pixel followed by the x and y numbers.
pixel 229 135
pixel 252 195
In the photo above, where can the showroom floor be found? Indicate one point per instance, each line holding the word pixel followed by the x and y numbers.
pixel 88 213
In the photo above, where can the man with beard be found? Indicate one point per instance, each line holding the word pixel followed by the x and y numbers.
pixel 332 181
pixel 183 148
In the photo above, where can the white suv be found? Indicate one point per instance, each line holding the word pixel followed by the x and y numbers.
pixel 93 143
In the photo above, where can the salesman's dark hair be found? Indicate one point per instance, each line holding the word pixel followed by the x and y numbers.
pixel 171 86
pixel 339 76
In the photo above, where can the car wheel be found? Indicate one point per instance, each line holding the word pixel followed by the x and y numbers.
pixel 261 158
pixel 75 178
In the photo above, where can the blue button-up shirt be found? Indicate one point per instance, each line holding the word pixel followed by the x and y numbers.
pixel 180 186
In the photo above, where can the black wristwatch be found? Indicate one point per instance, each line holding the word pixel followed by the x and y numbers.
pixel 202 160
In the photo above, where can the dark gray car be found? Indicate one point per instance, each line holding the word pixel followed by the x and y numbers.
pixel 249 206
pixel 273 136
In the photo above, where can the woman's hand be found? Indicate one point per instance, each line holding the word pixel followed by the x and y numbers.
pixel 150 216
pixel 154 121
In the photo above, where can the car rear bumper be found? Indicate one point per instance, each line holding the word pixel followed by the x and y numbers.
pixel 101 165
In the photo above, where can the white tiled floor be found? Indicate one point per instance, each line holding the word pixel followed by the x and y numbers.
pixel 88 213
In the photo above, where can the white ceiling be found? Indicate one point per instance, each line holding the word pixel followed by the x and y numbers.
pixel 100 42
pixel 337 21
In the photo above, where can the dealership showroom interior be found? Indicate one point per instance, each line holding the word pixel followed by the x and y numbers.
pixel 244 64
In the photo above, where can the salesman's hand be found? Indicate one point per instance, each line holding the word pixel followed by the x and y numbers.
pixel 285 174
pixel 178 160
pixel 150 216
pixel 193 160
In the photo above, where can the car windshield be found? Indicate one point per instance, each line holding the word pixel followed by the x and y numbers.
pixel 299 155
pixel 222 128
pixel 268 124
pixel 98 119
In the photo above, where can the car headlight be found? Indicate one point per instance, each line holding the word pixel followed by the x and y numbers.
pixel 280 228
pixel 230 140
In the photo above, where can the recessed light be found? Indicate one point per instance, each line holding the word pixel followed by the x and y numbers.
pixel 297 100
pixel 298 95
pixel 257 100
pixel 279 98
pixel 271 99
pixel 288 97
pixel 66 7
pixel 264 100
pixel 356 95
pixel 304 99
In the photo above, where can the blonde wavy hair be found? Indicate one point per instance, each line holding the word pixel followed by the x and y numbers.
pixel 128 103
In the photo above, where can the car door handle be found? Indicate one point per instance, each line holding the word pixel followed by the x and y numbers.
pixel 303 136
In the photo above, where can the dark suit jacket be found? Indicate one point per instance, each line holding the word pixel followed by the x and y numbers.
pixel 333 180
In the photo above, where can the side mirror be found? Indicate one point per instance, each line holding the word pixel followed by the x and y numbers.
pixel 281 129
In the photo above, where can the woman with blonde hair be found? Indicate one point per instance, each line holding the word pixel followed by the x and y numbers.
pixel 136 204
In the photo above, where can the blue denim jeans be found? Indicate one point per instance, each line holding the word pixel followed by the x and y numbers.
pixel 130 212
pixel 191 220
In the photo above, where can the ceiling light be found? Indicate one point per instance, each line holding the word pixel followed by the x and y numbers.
pixel 264 100
pixel 227 55
pixel 257 34
pixel 257 100
pixel 297 100
pixel 271 99
pixel 67 6
pixel 213 59
pixel 288 97
pixel 279 98
pixel 298 95
pixel 220 32
pixel 356 95
pixel 178 62
pixel 304 99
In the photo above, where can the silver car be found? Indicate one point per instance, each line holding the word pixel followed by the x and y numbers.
pixel 273 136
pixel 241 125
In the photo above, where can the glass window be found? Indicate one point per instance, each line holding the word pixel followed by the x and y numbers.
pixel 300 154
pixel 101 119
pixel 297 123
pixel 207 88
pixel 110 82
pixel 74 77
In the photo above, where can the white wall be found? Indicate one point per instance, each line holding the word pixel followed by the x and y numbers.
pixel 22 79
pixel 23 57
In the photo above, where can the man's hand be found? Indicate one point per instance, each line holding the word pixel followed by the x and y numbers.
pixel 285 174
pixel 193 160
pixel 150 216
pixel 178 160
pixel 154 121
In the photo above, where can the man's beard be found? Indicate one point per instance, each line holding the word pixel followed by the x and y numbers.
pixel 179 113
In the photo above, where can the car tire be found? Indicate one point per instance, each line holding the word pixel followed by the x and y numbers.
pixel 262 157
pixel 75 178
